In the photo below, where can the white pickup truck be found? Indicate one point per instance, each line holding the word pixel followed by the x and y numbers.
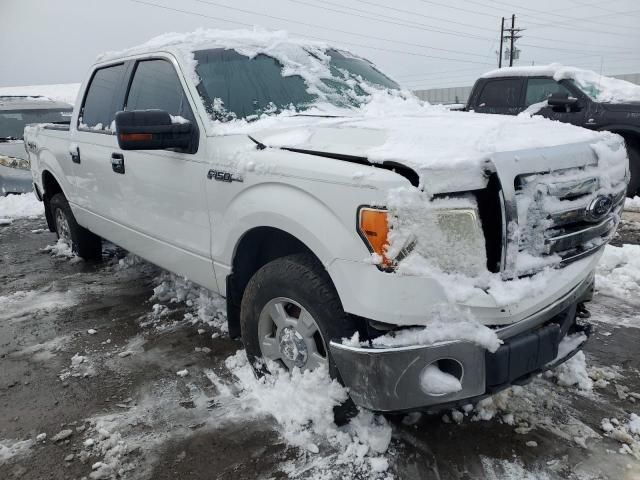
pixel 424 257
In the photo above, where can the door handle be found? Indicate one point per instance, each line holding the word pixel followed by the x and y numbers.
pixel 117 162
pixel 75 154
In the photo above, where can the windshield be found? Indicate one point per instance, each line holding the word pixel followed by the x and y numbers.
pixel 233 85
pixel 589 89
pixel 12 122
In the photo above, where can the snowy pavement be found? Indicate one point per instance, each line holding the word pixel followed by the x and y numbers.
pixel 119 370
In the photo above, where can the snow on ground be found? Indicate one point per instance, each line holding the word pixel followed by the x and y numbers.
pixel 63 92
pixel 618 273
pixel 203 306
pixel 25 205
pixel 61 249
pixel 22 304
pixel 495 469
pixel 632 204
pixel 13 448
pixel 45 351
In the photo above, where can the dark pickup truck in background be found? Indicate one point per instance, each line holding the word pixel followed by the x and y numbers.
pixel 579 97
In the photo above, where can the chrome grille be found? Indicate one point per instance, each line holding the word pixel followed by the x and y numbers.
pixel 565 213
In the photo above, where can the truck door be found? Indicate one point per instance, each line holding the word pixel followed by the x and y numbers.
pixel 93 141
pixel 539 89
pixel 163 190
pixel 500 95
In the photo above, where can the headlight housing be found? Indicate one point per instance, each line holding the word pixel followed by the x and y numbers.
pixel 14 162
pixel 446 234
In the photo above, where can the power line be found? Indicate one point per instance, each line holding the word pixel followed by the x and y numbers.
pixel 570 18
pixel 382 49
pixel 335 29
pixel 393 20
pixel 493 16
pixel 468 25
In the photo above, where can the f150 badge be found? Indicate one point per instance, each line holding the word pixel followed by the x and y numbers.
pixel 221 176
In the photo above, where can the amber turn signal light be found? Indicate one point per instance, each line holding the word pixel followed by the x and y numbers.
pixel 374 227
pixel 136 137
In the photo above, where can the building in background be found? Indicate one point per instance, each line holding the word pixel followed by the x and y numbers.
pixel 453 95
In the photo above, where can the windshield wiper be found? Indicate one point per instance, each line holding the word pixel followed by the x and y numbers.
pixel 8 139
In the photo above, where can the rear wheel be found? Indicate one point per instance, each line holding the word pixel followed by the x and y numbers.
pixel 83 243
pixel 290 312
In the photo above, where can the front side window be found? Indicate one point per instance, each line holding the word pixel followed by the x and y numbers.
pixel 100 102
pixel 503 93
pixel 539 89
pixel 156 85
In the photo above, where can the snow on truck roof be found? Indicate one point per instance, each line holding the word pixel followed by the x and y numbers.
pixel 599 87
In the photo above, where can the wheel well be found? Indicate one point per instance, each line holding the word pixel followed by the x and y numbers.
pixel 256 248
pixel 628 135
pixel 50 186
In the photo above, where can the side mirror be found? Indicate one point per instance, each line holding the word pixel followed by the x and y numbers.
pixel 563 100
pixel 151 130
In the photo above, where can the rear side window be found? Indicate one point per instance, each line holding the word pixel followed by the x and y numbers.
pixel 101 103
pixel 501 93
pixel 156 85
pixel 539 89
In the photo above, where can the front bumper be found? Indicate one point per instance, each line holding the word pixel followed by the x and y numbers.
pixel 387 379
pixel 13 180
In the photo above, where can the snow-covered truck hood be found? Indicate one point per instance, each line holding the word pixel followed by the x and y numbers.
pixel 450 151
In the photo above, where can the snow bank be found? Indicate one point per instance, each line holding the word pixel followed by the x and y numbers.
pixel 574 372
pixel 632 204
pixel 62 92
pixel 203 306
pixel 302 404
pixel 599 87
pixel 618 273
pixel 25 205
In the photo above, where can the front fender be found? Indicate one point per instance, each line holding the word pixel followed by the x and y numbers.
pixel 292 209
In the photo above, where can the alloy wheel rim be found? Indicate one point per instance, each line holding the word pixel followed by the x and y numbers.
pixel 289 334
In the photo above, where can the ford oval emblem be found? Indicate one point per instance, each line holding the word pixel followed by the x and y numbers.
pixel 599 208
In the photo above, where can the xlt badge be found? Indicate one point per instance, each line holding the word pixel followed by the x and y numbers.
pixel 221 176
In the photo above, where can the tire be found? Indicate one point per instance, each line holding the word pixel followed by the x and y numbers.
pixel 633 150
pixel 295 284
pixel 84 243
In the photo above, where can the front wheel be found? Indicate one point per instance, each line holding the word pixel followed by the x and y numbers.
pixel 290 312
pixel 83 243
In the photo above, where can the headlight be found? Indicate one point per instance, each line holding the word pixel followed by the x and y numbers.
pixel 13 162
pixel 446 234
pixel 457 242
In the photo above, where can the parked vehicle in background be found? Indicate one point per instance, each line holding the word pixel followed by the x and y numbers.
pixel 580 97
pixel 15 113
pixel 421 256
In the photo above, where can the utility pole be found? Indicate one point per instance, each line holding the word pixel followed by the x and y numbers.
pixel 510 34
pixel 501 43
pixel 513 27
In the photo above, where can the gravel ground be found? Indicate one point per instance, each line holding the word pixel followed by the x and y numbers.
pixel 88 357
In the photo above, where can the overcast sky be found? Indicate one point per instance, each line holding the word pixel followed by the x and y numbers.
pixel 421 43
